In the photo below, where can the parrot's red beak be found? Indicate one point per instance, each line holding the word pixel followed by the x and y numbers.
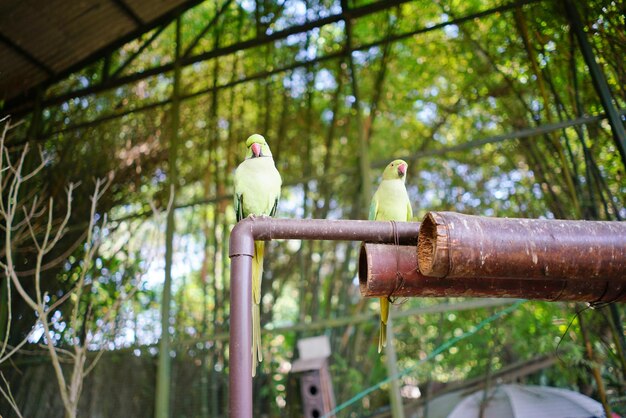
pixel 256 149
pixel 402 169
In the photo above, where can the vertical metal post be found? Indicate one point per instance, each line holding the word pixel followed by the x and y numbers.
pixel 240 346
pixel 599 81
pixel 240 357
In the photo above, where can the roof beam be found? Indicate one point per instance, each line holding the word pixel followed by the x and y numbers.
pixel 121 4
pixel 25 54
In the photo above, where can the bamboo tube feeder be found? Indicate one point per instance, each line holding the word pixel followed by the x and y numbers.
pixel 471 256
pixel 392 270
pixel 454 245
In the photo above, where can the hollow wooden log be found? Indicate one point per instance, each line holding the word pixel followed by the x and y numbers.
pixel 391 270
pixel 463 246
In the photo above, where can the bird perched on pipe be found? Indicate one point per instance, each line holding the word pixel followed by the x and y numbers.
pixel 390 203
pixel 256 192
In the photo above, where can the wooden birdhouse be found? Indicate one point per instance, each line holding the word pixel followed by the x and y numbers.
pixel 311 369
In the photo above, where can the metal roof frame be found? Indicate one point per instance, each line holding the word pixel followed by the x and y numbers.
pixel 258 41
pixel 29 102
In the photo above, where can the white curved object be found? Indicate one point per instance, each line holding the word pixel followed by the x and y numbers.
pixel 518 401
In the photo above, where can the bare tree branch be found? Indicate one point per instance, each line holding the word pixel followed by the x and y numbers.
pixel 9 396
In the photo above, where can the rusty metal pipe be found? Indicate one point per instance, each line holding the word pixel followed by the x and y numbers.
pixel 241 250
pixel 391 270
pixel 265 228
pixel 454 245
pixel 239 349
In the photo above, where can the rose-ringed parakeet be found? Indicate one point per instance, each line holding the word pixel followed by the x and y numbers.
pixel 256 189
pixel 390 203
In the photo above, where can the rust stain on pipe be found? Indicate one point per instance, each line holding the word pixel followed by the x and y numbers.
pixel 454 245
pixel 380 264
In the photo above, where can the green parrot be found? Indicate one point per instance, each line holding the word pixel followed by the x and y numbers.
pixel 390 203
pixel 256 192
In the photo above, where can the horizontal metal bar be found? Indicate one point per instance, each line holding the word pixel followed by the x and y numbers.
pixel 266 228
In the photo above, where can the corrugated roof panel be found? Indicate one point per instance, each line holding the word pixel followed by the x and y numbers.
pixel 95 32
pixel 60 33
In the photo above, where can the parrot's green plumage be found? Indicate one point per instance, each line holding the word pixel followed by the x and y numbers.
pixel 256 191
pixel 390 203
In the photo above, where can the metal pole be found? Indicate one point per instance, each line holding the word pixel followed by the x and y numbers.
pixel 240 360
pixel 241 250
pixel 599 81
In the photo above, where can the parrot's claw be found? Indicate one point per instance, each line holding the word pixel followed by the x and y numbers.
pixel 253 216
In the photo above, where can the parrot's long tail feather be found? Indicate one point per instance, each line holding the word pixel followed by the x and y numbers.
pixel 255 360
pixel 256 321
pixel 257 274
pixel 257 271
pixel 384 315
pixel 256 333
